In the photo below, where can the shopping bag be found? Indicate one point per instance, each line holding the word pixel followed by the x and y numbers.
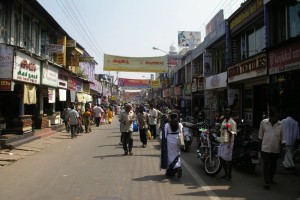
pixel 180 140
pixel 135 127
pixel 149 136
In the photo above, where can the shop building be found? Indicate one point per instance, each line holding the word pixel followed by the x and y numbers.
pixel 246 60
pixel 283 26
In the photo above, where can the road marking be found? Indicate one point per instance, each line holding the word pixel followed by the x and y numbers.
pixel 200 181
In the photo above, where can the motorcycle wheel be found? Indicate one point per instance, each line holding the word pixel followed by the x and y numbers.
pixel 212 166
pixel 296 157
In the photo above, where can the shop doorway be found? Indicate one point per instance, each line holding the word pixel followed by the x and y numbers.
pixel 260 106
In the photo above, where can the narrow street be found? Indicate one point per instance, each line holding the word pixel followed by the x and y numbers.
pixel 92 167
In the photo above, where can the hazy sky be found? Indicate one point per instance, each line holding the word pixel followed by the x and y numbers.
pixel 133 27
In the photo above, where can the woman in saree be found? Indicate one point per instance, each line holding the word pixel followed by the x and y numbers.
pixel 170 158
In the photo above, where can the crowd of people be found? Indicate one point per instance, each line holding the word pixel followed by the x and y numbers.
pixel 81 120
pixel 164 122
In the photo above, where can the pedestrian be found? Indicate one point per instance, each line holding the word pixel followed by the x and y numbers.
pixel 271 136
pixel 142 121
pixel 152 120
pixel 171 133
pixel 73 118
pixel 97 114
pixel 109 114
pixel 121 111
pixel 159 115
pixel 103 115
pixel 291 135
pixel 227 134
pixel 65 118
pixel 86 119
pixel 126 119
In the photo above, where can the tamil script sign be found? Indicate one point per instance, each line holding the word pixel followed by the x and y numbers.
pixel 135 64
pixel 133 83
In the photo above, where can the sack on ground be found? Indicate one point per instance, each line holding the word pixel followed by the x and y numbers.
pixel 180 140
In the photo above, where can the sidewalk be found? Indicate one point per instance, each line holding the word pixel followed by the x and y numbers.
pixel 31 145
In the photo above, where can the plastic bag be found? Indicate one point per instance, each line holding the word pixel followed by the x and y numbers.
pixel 149 135
pixel 180 140
pixel 135 127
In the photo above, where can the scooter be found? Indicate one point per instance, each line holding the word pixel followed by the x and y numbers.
pixel 188 134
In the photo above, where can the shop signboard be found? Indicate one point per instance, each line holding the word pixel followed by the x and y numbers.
pixel 250 68
pixel 26 69
pixel 79 86
pixel 61 57
pixel 135 64
pixel 62 81
pixel 246 14
pixel 50 75
pixel 71 84
pixel 135 83
pixel 216 81
pixel 88 69
pixel 177 90
pixel 6 61
pixel 194 85
pixel 6 85
pixel 86 88
pixel 95 86
pixel 285 59
pixel 51 95
pixel 165 93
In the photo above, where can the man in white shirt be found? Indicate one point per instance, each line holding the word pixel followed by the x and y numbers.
pixel 152 120
pixel 73 118
pixel 97 114
pixel 291 134
pixel 271 136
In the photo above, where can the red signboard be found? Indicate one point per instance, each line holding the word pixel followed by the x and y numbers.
pixel 5 85
pixel 285 59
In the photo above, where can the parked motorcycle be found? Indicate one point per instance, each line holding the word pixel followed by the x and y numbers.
pixel 246 149
pixel 296 155
pixel 208 151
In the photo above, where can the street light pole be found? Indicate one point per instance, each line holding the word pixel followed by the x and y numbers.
pixel 155 48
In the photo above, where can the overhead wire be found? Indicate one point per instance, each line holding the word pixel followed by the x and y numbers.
pixel 226 3
pixel 72 17
pixel 88 28
pixel 77 22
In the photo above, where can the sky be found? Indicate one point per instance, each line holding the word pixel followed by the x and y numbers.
pixel 133 27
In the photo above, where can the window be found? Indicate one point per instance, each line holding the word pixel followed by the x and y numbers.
pixel 250 42
pixel 26 33
pixel 3 29
pixel 35 38
pixel 294 20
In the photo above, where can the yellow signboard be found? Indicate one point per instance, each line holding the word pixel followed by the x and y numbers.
pixel 135 64
pixel 155 83
pixel 61 57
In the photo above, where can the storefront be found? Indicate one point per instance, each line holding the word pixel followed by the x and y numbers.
pixel 284 69
pixel 247 91
pixel 215 95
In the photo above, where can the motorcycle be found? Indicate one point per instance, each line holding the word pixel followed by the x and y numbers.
pixel 208 151
pixel 246 149
pixel 296 156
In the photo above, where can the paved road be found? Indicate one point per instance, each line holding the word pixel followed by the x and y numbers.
pixel 92 167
